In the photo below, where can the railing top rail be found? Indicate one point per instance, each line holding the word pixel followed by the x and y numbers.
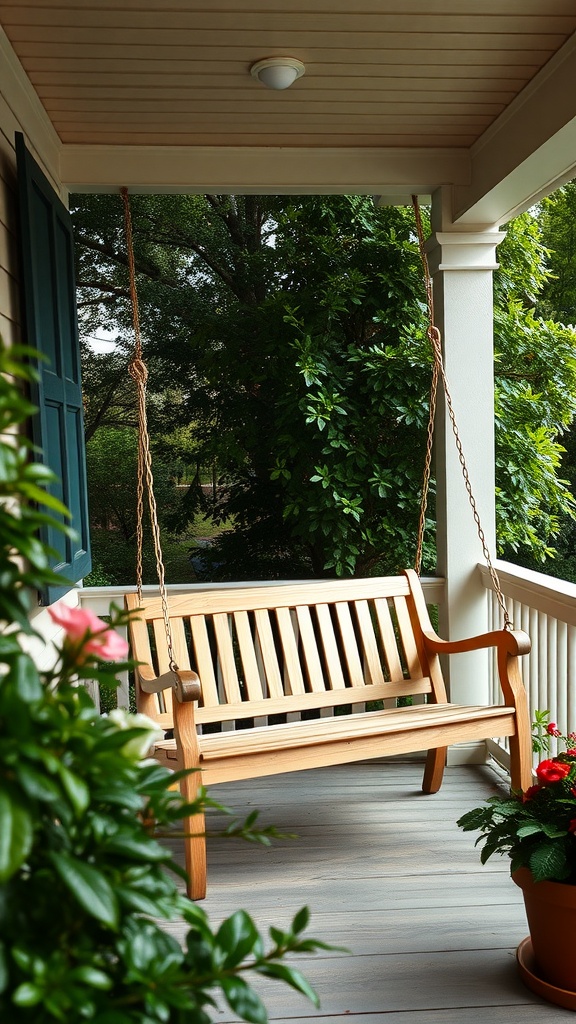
pixel 553 597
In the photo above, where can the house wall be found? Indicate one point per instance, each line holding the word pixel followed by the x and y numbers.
pixel 21 112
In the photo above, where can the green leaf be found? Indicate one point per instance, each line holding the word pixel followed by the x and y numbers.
pixel 136 900
pixel 27 994
pixel 93 977
pixel 4 976
pixel 9 645
pixel 529 830
pixel 548 862
pixel 301 920
pixel 244 1001
pixel 25 676
pixel 89 886
pixel 138 847
pixel 16 832
pixel 36 784
pixel 75 788
pixel 292 977
pixel 236 937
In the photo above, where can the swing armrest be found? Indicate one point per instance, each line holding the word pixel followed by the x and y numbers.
pixel 515 642
pixel 186 684
pixel 510 645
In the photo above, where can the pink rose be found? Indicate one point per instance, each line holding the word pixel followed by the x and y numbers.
pixel 552 771
pixel 81 624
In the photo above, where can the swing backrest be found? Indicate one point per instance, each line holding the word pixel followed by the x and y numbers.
pixel 272 650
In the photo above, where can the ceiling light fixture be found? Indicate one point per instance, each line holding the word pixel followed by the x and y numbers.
pixel 277 72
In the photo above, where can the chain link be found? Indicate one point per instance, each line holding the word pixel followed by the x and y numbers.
pixel 438 373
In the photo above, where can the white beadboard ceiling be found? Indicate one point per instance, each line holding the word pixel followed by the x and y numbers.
pixel 379 73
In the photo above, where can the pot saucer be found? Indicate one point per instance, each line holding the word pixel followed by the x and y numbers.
pixel 529 974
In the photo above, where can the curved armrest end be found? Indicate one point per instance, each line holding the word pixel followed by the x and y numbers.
pixel 515 642
pixel 187 686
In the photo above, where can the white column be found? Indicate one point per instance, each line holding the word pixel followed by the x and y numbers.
pixel 461 265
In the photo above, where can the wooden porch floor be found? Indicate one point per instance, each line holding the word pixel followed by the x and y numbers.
pixel 385 871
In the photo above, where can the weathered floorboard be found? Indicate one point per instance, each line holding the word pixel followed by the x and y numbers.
pixel 386 872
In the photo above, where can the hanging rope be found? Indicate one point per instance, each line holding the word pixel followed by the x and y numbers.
pixel 139 372
pixel 438 373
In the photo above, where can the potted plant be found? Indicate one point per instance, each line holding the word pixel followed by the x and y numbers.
pixel 537 830
pixel 84 884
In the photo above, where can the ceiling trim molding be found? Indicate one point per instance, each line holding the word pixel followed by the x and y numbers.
pixel 29 114
pixel 528 151
pixel 281 170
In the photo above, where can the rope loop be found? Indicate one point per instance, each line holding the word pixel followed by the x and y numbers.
pixel 138 371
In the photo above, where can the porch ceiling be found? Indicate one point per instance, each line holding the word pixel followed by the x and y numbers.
pixel 459 92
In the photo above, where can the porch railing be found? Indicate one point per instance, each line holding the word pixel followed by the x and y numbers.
pixel 545 608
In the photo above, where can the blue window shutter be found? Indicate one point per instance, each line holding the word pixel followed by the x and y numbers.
pixel 49 296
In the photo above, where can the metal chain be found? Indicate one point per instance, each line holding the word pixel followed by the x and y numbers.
pixel 438 372
pixel 433 393
pixel 139 372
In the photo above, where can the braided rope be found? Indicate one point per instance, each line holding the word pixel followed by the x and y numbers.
pixel 139 373
pixel 438 373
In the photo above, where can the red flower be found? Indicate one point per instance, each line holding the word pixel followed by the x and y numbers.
pixel 551 728
pixel 530 792
pixel 572 826
pixel 571 752
pixel 552 771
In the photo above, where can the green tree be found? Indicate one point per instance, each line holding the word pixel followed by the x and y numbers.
pixel 294 330
pixel 111 457
pixel 557 220
pixel 555 299
pixel 535 374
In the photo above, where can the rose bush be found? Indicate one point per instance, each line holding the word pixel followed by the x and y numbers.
pixel 536 828
pixel 84 884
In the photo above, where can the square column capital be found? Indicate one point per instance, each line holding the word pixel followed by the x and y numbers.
pixel 463 250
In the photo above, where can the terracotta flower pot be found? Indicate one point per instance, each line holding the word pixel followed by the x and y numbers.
pixel 551 913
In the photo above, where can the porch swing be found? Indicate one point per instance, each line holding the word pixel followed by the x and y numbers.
pixel 230 656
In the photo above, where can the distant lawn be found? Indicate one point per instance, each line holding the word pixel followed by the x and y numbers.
pixel 114 559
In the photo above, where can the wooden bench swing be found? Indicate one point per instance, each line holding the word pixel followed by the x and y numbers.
pixel 228 658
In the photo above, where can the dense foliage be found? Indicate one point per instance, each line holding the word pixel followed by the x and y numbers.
pixel 535 400
pixel 557 220
pixel 290 333
pixel 556 300
pixel 84 885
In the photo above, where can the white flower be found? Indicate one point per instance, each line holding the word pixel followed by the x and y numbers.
pixel 137 747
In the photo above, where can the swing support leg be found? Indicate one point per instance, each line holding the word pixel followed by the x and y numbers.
pixel 194 842
pixel 194 824
pixel 434 770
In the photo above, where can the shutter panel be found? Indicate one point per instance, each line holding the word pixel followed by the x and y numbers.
pixel 50 327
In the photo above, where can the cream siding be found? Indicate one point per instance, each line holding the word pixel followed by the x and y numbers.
pixel 15 116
